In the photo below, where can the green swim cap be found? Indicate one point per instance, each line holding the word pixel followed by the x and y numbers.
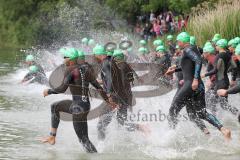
pixel 222 43
pixel 160 49
pixel 71 53
pixel 85 40
pixel 158 42
pixel 216 37
pixel 183 37
pixel 208 43
pixel 237 39
pixel 237 50
pixel 192 40
pixel 91 42
pixel 143 50
pixel 33 69
pixel 62 50
pixel 29 58
pixel 99 50
pixel 109 53
pixel 129 49
pixel 209 49
pixel 232 43
pixel 81 55
pixel 169 37
pixel 143 42
pixel 118 54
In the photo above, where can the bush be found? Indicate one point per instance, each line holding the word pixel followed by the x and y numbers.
pixel 223 19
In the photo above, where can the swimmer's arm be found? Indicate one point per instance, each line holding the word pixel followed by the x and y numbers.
pixel 233 70
pixel 27 77
pixel 62 88
pixel 178 69
pixel 198 62
pixel 215 69
pixel 234 90
pixel 108 78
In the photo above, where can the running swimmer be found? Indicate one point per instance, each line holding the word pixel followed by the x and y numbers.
pixel 113 84
pixel 199 123
pixel 77 79
pixel 30 61
pixel 34 76
pixel 171 45
pixel 222 64
pixel 192 92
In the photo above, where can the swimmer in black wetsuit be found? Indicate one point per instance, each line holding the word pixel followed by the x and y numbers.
pixel 222 64
pixel 171 45
pixel 236 88
pixel 30 61
pixel 35 76
pixel 163 59
pixel 193 116
pixel 77 79
pixel 113 84
pixel 192 92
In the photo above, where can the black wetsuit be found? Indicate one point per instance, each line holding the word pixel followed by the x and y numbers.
pixel 236 71
pixel 191 113
pixel 172 48
pixel 37 77
pixel 191 67
pixel 114 84
pixel 164 63
pixel 77 79
pixel 222 64
pixel 40 68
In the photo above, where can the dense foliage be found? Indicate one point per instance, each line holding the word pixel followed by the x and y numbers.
pixel 31 22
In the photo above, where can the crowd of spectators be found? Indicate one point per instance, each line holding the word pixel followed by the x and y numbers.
pixel 153 25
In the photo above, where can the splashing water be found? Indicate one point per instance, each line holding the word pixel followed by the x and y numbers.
pixel 25 114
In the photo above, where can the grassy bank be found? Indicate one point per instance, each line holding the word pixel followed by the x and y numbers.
pixel 224 19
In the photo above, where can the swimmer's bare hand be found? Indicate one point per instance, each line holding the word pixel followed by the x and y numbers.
pixel 195 84
pixel 203 76
pixel 140 80
pixel 145 129
pixel 233 83
pixel 222 92
pixel 113 105
pixel 49 139
pixel 170 71
pixel 45 93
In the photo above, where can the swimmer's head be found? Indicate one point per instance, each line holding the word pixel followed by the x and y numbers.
pixel 29 59
pixel 169 38
pixel 81 56
pixel 118 54
pixel 221 44
pixel 70 56
pixel 193 40
pixel 183 39
pixel 208 50
pixel 85 41
pixel 232 44
pixel 237 52
pixel 33 69
pixel 143 42
pixel 216 38
pixel 99 53
pixel 157 42
pixel 91 42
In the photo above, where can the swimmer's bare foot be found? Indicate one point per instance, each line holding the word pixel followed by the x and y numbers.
pixel 50 139
pixel 145 129
pixel 206 132
pixel 226 133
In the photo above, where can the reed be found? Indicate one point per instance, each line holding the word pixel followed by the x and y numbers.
pixel 223 18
